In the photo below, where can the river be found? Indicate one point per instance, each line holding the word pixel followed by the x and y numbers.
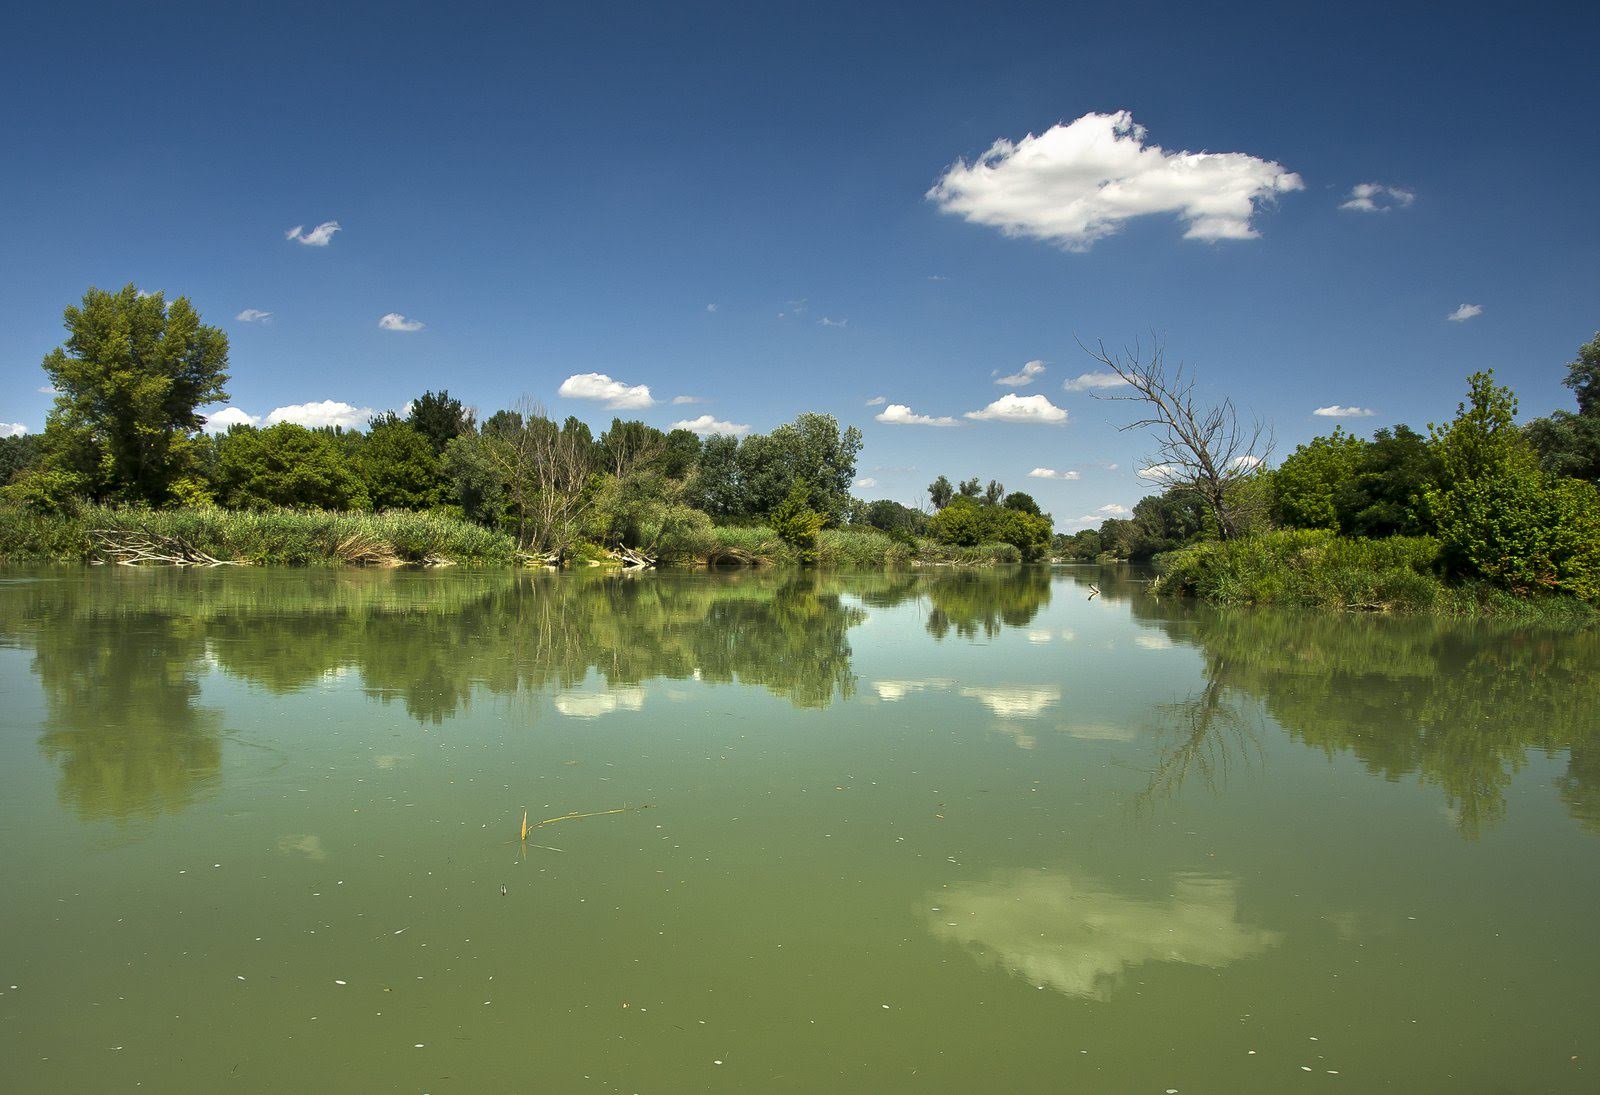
pixel 1026 830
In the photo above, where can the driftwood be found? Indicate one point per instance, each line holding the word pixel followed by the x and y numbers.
pixel 131 548
pixel 632 559
pixel 550 559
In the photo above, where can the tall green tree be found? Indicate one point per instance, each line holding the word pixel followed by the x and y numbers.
pixel 130 379
pixel 439 418
pixel 399 467
pixel 1567 443
pixel 286 465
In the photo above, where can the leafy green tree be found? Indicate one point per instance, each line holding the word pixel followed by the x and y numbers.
pixel 994 492
pixel 1017 500
pixel 680 454
pixel 715 486
pixel 941 492
pixel 797 524
pixel 286 465
pixel 810 452
pixel 631 446
pixel 970 488
pixel 892 517
pixel 1567 443
pixel 1501 518
pixel 130 381
pixel 475 483
pixel 19 454
pixel 440 418
pixel 1165 521
pixel 1315 484
pixel 960 522
pixel 399 467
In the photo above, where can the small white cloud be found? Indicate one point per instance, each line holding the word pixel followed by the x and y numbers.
pixel 394 321
pixel 682 400
pixel 591 705
pixel 46 389
pixel 1015 702
pixel 328 412
pixel 1020 408
pixel 1465 312
pixel 876 401
pixel 1377 198
pixel 866 482
pixel 712 307
pixel 1246 461
pixel 1336 411
pixel 1077 183
pixel 1051 473
pixel 825 321
pixel 937 277
pixel 1023 376
pixel 1087 382
pixel 1165 474
pixel 229 417
pixel 1112 509
pixel 253 315
pixel 898 414
pixel 706 426
pixel 320 236
pixel 12 429
pixel 614 394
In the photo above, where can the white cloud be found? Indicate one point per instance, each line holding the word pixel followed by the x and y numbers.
pixel 1336 411
pixel 1377 198
pixel 712 307
pixel 1112 509
pixel 228 417
pixel 46 389
pixel 1076 183
pixel 1020 408
pixel 253 315
pixel 1095 936
pixel 681 400
pixel 1165 474
pixel 394 321
pixel 320 236
pixel 825 321
pixel 876 401
pixel 1465 312
pixel 12 429
pixel 328 412
pixel 705 426
pixel 1051 473
pixel 1085 382
pixel 898 414
pixel 1025 375
pixel 591 705
pixel 614 394
pixel 866 482
pixel 1246 460
pixel 1014 702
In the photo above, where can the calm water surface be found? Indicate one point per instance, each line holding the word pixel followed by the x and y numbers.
pixel 930 832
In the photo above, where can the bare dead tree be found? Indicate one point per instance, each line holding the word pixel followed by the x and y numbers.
pixel 1200 448
pixel 546 470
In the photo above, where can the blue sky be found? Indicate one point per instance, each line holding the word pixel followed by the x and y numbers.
pixel 776 208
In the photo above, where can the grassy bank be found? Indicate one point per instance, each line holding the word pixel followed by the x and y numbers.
pixel 318 537
pixel 1316 569
pixel 271 537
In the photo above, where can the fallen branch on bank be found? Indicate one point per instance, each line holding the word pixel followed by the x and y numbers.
pixel 131 548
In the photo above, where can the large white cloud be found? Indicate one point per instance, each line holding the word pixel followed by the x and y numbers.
pixel 1020 408
pixel 898 414
pixel 1080 938
pixel 1077 183
pixel 706 426
pixel 328 412
pixel 1336 411
pixel 1465 312
pixel 614 394
pixel 228 417
pixel 1088 382
pixel 1022 376
pixel 12 429
pixel 320 236
pixel 1377 198
pixel 1051 473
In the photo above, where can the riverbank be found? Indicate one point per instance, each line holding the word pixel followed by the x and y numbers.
pixel 98 534
pixel 1320 570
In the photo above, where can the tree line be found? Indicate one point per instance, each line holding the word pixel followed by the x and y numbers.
pixel 126 429
pixel 1516 506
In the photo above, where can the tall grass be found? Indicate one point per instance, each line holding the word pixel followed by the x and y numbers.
pixel 269 537
pixel 1318 569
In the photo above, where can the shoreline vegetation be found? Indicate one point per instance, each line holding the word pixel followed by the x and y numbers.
pixel 1482 516
pixel 209 536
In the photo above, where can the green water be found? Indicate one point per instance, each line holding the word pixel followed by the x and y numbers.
pixel 932 832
